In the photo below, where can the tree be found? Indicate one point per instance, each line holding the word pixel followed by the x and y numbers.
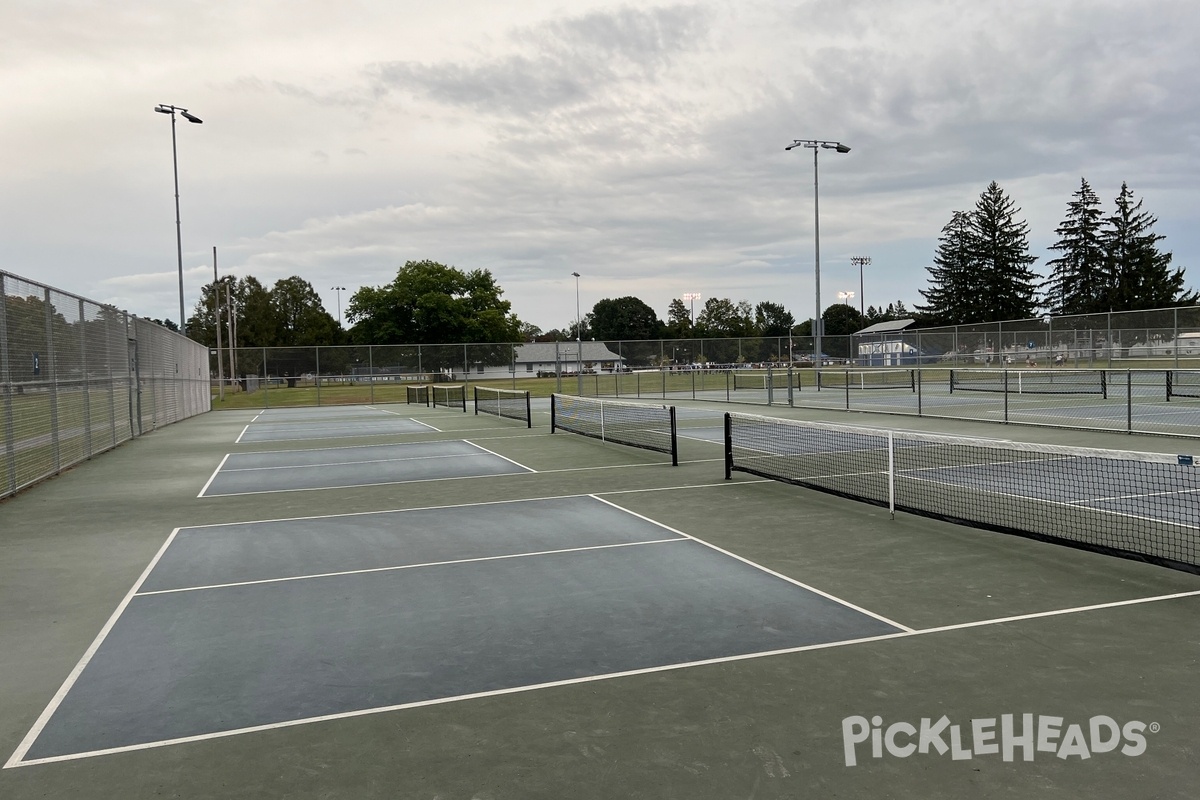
pixel 625 318
pixel 1139 275
pixel 839 322
pixel 679 320
pixel 431 303
pixel 1007 286
pixel 948 298
pixel 772 319
pixel 300 318
pixel 1078 283
pixel 721 317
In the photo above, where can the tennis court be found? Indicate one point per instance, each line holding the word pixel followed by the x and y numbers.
pixel 577 617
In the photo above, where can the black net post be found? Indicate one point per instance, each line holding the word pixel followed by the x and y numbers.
pixel 553 403
pixel 674 440
pixel 728 446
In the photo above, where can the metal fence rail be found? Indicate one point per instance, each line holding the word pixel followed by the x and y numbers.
pixel 78 378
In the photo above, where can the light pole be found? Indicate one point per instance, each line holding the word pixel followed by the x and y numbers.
pixel 578 337
pixel 692 297
pixel 339 290
pixel 163 108
pixel 216 287
pixel 860 262
pixel 846 297
pixel 815 145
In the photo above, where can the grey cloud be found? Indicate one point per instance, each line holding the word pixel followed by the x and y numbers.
pixel 562 63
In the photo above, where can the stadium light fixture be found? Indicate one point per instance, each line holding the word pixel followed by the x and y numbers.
pixel 816 145
pixel 339 290
pixel 578 337
pixel 165 108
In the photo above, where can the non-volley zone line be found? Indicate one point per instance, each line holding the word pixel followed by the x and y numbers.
pixel 307 470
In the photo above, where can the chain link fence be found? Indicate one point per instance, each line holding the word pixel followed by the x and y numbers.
pixel 78 378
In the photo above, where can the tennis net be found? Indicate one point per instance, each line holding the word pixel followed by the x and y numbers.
pixel 634 424
pixel 763 381
pixel 1183 383
pixel 417 395
pixel 869 379
pixel 1030 381
pixel 508 403
pixel 449 396
pixel 1144 506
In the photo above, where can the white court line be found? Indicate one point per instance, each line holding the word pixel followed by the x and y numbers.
pixel 497 455
pixel 380 483
pixel 61 694
pixel 760 567
pixel 477 504
pixel 213 477
pixel 238 440
pixel 593 678
pixel 1136 496
pixel 329 464
pixel 397 568
pixel 431 443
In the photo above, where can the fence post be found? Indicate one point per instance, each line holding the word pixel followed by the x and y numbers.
pixel 51 362
pixel 87 384
pixel 6 397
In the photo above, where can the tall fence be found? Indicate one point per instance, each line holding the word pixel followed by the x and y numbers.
pixel 78 378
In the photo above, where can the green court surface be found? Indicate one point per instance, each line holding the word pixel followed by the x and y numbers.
pixel 958 662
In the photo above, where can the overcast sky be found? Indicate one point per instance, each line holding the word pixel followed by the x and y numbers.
pixel 641 145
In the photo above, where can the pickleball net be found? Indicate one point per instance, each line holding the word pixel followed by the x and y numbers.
pixel 867 379
pixel 450 396
pixel 1144 506
pixel 649 427
pixel 507 403
pixel 1183 383
pixel 1030 381
pixel 416 395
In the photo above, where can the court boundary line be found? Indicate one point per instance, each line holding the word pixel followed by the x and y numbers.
pixel 594 678
pixel 17 758
pixel 497 455
pixel 346 447
pixel 213 477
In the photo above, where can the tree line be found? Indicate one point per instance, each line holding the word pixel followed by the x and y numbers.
pixel 432 303
pixel 983 271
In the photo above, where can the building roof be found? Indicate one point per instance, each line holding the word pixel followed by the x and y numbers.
pixel 544 352
pixel 887 327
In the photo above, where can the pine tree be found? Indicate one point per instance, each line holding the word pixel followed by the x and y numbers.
pixel 948 298
pixel 1078 282
pixel 1005 286
pixel 1139 276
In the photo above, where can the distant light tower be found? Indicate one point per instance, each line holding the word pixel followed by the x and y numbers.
pixel 578 337
pixel 692 297
pixel 815 145
pixel 163 108
pixel 846 297
pixel 861 261
pixel 339 290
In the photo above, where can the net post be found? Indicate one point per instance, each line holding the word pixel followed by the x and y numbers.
pixel 1129 400
pixel 918 389
pixel 553 401
pixel 1168 372
pixel 891 475
pixel 1104 384
pixel 528 411
pixel 846 380
pixel 728 446
pixel 476 388
pixel 674 440
pixel 1006 395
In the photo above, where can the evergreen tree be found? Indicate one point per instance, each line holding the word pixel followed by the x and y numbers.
pixel 1139 276
pixel 949 296
pixel 1004 285
pixel 1078 282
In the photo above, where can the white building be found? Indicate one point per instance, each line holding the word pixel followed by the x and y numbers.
pixel 530 360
